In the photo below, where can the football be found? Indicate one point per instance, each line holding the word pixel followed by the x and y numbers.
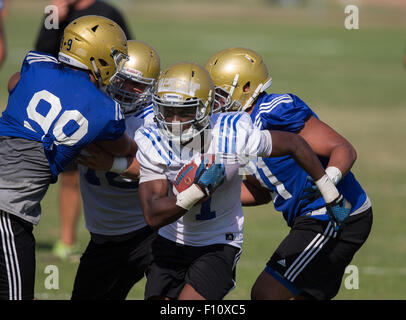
pixel 186 175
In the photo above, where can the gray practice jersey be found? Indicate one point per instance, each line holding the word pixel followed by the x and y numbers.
pixel 24 177
pixel 110 201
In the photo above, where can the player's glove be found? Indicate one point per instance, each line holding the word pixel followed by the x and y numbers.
pixel 338 212
pixel 209 178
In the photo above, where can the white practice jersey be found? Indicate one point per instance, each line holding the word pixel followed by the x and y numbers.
pixel 111 203
pixel 220 218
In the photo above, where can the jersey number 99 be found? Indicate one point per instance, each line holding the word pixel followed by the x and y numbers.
pixel 45 122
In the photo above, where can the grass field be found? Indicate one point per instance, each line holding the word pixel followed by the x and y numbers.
pixel 353 79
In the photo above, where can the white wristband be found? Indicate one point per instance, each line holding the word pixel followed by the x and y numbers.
pixel 188 198
pixel 334 174
pixel 120 164
pixel 327 189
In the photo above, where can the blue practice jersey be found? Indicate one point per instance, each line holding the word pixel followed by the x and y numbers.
pixel 282 175
pixel 61 108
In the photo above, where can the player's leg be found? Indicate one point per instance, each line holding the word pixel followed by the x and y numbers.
pixel 267 287
pixel 17 258
pixel 138 259
pixel 98 271
pixel 280 279
pixel 166 272
pixel 69 205
pixel 69 210
pixel 189 293
pixel 311 260
pixel 212 274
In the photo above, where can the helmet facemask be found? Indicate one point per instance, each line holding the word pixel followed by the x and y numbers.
pixel 180 120
pixel 129 88
pixel 222 98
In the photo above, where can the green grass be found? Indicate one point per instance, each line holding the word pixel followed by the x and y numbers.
pixel 354 80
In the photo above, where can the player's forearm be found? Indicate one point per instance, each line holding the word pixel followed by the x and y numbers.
pixel 342 157
pixel 161 212
pixel 326 142
pixel 252 195
pixel 290 144
pixel 285 143
pixel 308 160
pixel 133 169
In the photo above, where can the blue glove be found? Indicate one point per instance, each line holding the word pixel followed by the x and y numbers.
pixel 338 212
pixel 208 179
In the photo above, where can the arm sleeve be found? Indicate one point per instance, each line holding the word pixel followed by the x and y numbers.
pixel 251 141
pixel 287 113
pixel 38 58
pixel 115 126
pixel 112 131
pixel 149 172
pixel 151 168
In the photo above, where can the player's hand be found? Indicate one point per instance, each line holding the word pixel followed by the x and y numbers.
pixel 95 158
pixel 312 192
pixel 338 212
pixel 209 179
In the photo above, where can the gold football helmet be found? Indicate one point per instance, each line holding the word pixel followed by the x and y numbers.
pixel 239 76
pixel 94 43
pixel 133 83
pixel 183 101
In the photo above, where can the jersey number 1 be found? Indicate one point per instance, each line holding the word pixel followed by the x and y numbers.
pixel 205 211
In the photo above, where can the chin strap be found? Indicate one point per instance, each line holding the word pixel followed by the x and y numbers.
pixel 261 87
pixel 96 72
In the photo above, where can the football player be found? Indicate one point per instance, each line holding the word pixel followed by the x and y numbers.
pixel 55 108
pixel 311 260
pixel 200 228
pixel 118 251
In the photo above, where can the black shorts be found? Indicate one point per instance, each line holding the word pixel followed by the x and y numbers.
pixel 311 260
pixel 17 258
pixel 210 270
pixel 110 269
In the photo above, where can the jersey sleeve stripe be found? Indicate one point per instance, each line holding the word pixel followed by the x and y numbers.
pixel 268 109
pixel 144 111
pixel 32 56
pixel 234 145
pixel 228 126
pixel 36 54
pixel 221 130
pixel 156 146
pixel 269 179
pixel 265 104
pixel 118 114
pixel 147 113
pixel 30 61
pixel 272 106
